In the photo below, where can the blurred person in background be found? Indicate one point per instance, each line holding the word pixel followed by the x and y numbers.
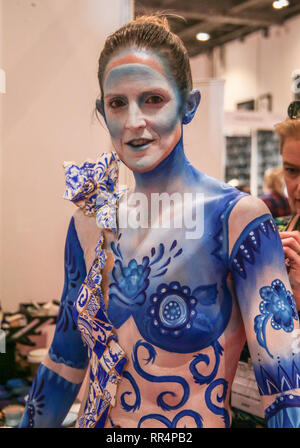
pixel 289 227
pixel 274 196
pixel 236 183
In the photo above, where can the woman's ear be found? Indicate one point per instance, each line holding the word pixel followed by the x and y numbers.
pixel 191 106
pixel 100 108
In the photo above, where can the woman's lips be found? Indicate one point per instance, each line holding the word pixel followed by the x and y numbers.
pixel 139 143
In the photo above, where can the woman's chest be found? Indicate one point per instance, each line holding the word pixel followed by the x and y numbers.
pixel 174 288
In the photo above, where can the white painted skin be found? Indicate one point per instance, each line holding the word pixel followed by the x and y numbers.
pixel 142 109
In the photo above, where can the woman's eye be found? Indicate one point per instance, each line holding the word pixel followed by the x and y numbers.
pixel 116 103
pixel 290 171
pixel 154 99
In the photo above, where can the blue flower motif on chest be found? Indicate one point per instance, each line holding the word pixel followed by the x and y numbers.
pixel 173 309
pixel 131 281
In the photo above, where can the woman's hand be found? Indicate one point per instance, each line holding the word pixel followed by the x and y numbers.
pixel 291 248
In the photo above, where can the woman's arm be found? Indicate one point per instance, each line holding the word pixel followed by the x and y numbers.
pixel 59 377
pixel 268 309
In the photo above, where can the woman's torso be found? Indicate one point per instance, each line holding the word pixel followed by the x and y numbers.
pixel 170 300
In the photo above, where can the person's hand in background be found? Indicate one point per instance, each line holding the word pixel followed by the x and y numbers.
pixel 291 248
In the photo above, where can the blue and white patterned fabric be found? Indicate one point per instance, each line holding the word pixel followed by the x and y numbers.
pixel 93 187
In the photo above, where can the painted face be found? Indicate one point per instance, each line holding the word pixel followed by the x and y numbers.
pixel 142 109
pixel 291 170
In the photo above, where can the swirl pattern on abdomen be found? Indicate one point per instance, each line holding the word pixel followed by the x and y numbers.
pixel 160 379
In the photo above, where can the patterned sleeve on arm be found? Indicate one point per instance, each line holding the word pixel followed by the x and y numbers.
pixel 59 377
pixel 270 318
pixel 67 336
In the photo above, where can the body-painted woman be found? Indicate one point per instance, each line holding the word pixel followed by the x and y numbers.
pixel 181 300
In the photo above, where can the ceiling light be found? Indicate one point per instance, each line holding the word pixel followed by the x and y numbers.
pixel 279 4
pixel 203 37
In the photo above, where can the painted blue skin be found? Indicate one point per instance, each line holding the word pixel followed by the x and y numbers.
pixel 171 299
pixel 170 294
pixel 204 282
pixel 49 401
pixel 277 369
pixel 51 395
pixel 208 287
pixel 51 391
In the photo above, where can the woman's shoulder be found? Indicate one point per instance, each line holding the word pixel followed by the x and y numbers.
pixel 252 206
pixel 215 187
pixel 219 195
pixel 245 212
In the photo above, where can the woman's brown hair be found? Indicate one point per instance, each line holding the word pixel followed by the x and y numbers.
pixel 287 128
pixel 150 33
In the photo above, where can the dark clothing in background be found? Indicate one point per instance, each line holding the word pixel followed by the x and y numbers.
pixel 278 205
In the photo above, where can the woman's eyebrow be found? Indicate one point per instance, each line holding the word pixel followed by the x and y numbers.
pixel 155 90
pixel 112 94
pixel 152 91
pixel 292 165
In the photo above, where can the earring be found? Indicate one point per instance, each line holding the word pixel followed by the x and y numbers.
pixel 99 106
pixel 186 119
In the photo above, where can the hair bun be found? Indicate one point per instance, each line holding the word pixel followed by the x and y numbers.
pixel 157 19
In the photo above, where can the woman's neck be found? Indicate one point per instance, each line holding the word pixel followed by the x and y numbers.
pixel 167 176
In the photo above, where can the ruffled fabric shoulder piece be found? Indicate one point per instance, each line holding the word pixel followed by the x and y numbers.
pixel 93 187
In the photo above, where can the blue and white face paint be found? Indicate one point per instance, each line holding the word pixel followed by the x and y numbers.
pixel 143 109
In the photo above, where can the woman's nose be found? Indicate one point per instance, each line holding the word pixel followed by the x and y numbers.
pixel 135 117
